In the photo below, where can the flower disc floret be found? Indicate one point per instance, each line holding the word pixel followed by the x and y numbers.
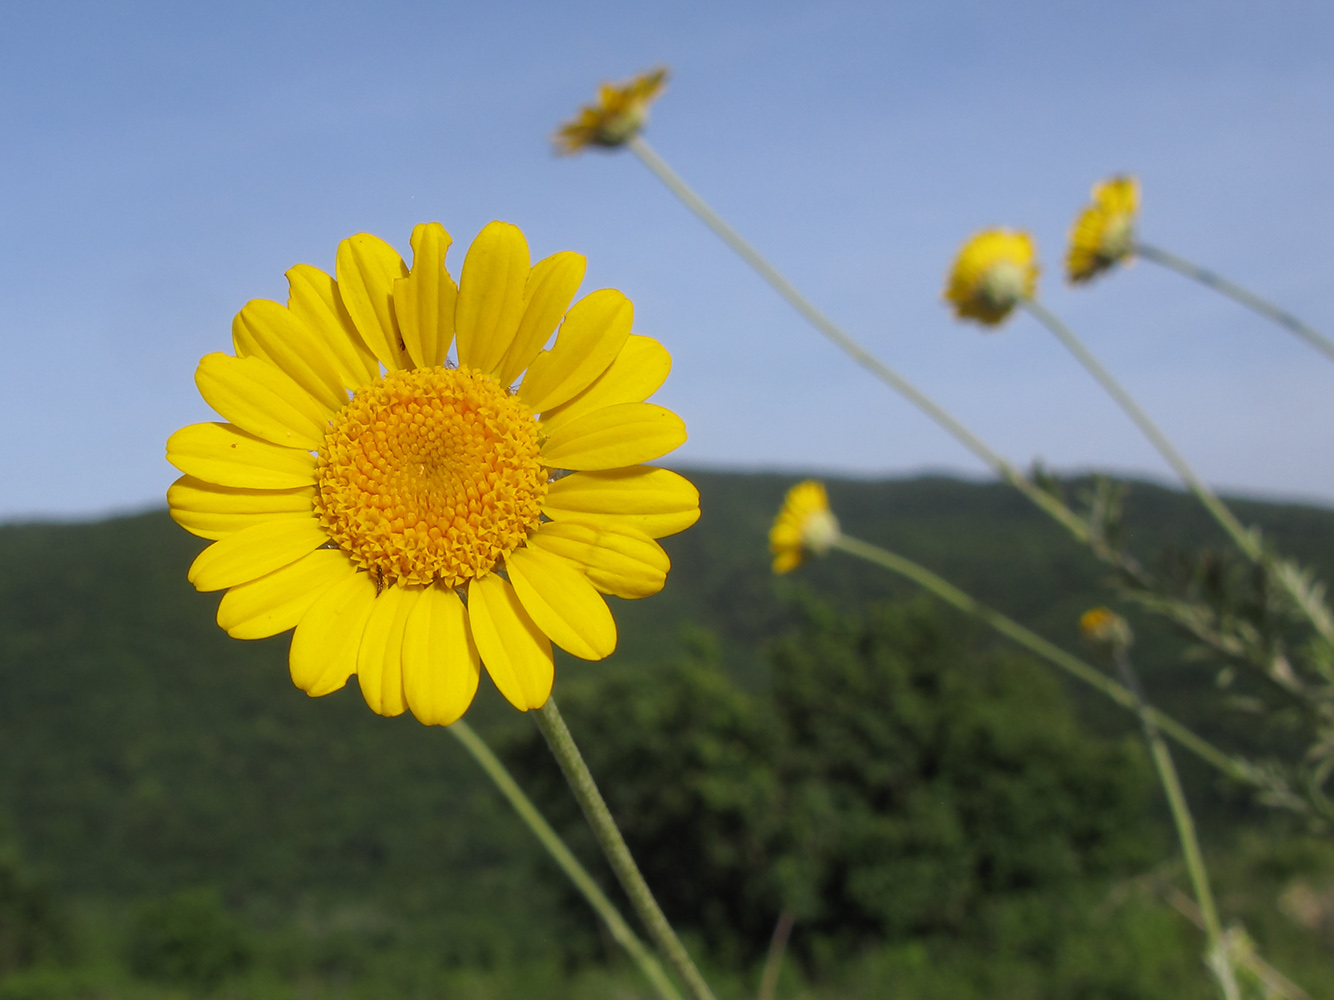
pixel 431 475
pixel 377 486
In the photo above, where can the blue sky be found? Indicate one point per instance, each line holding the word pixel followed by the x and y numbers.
pixel 163 164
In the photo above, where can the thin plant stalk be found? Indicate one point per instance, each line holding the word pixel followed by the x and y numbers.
pixel 608 835
pixel 1053 654
pixel 773 961
pixel 569 864
pixel 1218 959
pixel 649 157
pixel 1246 540
pixel 1307 599
pixel 1238 294
pixel 1279 985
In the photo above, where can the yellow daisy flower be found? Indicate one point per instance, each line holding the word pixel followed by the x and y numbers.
pixel 804 524
pixel 994 270
pixel 1104 233
pixel 1105 625
pixel 619 114
pixel 407 508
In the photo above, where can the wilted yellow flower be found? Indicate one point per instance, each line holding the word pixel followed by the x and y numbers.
pixel 370 478
pixel 1105 625
pixel 995 269
pixel 804 524
pixel 1104 233
pixel 619 114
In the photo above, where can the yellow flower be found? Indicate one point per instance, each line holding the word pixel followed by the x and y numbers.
pixel 1104 233
pixel 804 524
pixel 1105 625
pixel 369 481
pixel 994 270
pixel 618 115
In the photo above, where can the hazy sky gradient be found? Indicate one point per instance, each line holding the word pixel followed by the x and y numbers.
pixel 163 164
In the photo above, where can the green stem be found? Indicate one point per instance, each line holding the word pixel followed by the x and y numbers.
pixel 773 962
pixel 1247 541
pixel 863 357
pixel 571 761
pixel 1054 655
pixel 606 909
pixel 1185 825
pixel 1244 539
pixel 1238 294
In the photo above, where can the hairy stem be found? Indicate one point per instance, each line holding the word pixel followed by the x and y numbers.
pixel 773 962
pixel 1219 962
pixel 649 157
pixel 1238 294
pixel 605 908
pixel 609 838
pixel 1247 541
pixel 1034 643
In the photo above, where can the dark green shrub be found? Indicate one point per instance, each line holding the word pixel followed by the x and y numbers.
pixel 187 938
pixel 32 926
pixel 928 773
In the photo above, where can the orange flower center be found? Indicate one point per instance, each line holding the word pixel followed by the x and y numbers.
pixel 430 475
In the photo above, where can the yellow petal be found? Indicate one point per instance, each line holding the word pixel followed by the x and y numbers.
pixel 657 502
pixel 562 603
pixel 326 641
pixel 516 652
pixel 614 436
pixel 252 552
pixel 273 332
pixel 441 664
pixel 424 300
pixel 637 373
pixel 593 333
pixel 367 268
pixel 211 511
pixel 262 399
pixel 228 456
pixel 278 601
pixel 491 289
pixel 380 656
pixel 619 561
pixel 313 298
pixel 551 288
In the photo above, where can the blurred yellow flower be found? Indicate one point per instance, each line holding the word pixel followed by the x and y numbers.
pixel 804 524
pixel 1104 232
pixel 1105 625
pixel 368 479
pixel 619 114
pixel 995 269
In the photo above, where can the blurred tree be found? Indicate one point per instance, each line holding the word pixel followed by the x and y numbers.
pixel 32 925
pixel 927 773
pixel 187 938
pixel 686 761
pixel 901 775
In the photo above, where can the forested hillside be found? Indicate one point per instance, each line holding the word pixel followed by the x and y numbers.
pixel 144 754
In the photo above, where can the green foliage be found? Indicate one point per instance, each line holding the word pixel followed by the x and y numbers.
pixel 927 774
pixel 142 750
pixel 187 938
pixel 32 926
pixel 901 776
pixel 686 762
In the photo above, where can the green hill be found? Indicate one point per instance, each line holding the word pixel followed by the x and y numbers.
pixel 142 751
